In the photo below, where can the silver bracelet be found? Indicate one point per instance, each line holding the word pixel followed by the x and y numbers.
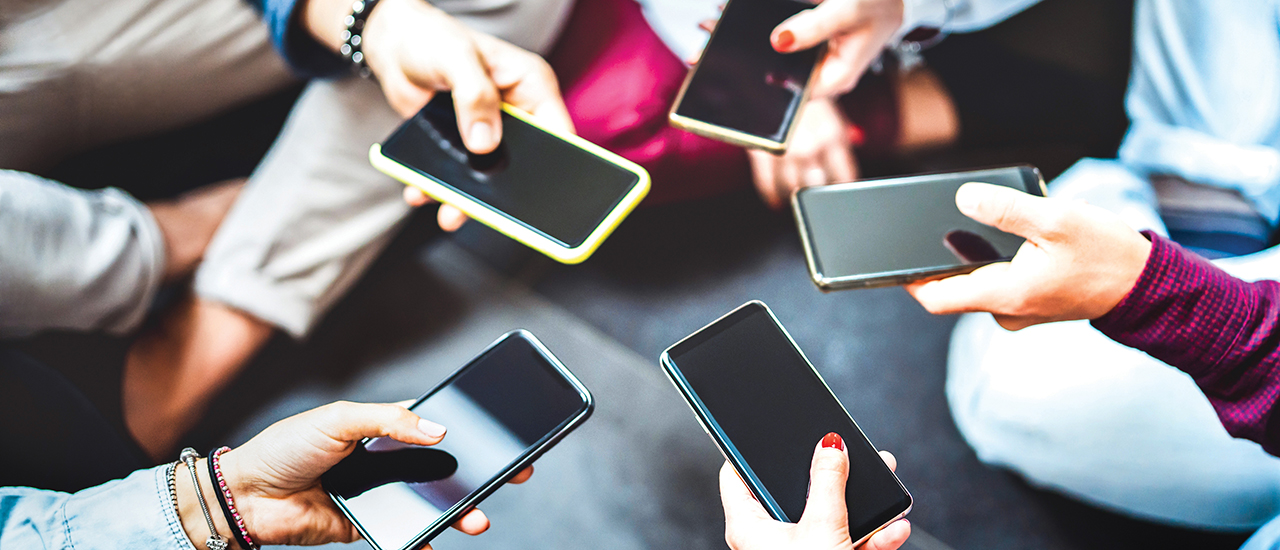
pixel 215 541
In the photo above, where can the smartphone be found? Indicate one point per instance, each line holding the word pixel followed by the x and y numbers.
pixel 556 193
pixel 503 409
pixel 766 408
pixel 741 90
pixel 891 231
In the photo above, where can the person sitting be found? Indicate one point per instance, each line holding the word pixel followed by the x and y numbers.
pixel 1061 404
pixel 308 221
pixel 1142 290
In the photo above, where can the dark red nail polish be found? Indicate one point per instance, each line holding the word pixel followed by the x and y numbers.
pixel 833 441
pixel 784 41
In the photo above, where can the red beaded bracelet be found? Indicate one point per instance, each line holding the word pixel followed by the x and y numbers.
pixel 228 502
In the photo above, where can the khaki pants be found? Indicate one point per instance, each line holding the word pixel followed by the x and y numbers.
pixel 75 74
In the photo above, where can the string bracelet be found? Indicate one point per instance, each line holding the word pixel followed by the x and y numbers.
pixel 227 501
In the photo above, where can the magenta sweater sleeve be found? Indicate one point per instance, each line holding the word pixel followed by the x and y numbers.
pixel 1222 331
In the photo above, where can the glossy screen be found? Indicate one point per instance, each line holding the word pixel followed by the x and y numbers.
pixel 906 224
pixel 535 178
pixel 496 410
pixel 773 409
pixel 741 82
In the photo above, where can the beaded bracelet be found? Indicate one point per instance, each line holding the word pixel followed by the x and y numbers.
pixel 172 475
pixel 353 36
pixel 227 501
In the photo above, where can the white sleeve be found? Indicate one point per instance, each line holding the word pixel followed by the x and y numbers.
pixel 958 15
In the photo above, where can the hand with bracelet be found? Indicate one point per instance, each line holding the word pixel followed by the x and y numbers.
pixel 274 477
pixel 414 50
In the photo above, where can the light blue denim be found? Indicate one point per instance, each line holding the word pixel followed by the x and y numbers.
pixel 134 512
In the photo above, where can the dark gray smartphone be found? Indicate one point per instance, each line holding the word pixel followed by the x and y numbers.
pixel 766 408
pixel 743 91
pixel 891 231
pixel 503 409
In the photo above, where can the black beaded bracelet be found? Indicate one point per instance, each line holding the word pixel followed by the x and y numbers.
pixel 353 39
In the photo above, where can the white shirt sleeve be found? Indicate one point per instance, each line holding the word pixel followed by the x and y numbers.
pixel 958 15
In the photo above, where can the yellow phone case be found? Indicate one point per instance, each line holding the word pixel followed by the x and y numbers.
pixel 507 226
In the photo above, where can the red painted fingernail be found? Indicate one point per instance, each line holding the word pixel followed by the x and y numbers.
pixel 857 137
pixel 833 441
pixel 784 41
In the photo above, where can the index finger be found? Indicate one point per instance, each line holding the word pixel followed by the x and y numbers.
pixel 526 82
pixel 983 289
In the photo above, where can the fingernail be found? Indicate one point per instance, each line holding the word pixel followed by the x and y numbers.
pixel 967 199
pixel 833 441
pixel 784 41
pixel 481 135
pixel 857 137
pixel 430 428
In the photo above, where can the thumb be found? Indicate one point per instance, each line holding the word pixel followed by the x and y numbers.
pixel 1006 209
pixel 827 477
pixel 814 26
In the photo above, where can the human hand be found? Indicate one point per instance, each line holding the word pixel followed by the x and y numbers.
pixel 416 50
pixel 825 522
pixel 1078 262
pixel 856 31
pixel 274 477
pixel 819 153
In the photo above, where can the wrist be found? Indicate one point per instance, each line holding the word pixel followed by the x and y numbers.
pixel 245 503
pixel 189 511
pixel 324 20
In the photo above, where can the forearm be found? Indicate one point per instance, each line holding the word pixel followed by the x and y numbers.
pixel 1222 331
pixel 323 20
pixel 134 512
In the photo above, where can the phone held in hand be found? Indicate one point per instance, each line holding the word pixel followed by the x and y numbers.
pixel 503 410
pixel 742 91
pixel 891 231
pixel 766 407
pixel 554 192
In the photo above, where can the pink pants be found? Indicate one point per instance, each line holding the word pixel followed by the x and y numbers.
pixel 619 80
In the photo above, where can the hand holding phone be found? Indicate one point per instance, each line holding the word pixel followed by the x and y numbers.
pixel 742 90
pixel 855 33
pixel 765 406
pixel 825 523
pixel 555 192
pixel 1078 262
pixel 505 408
pixel 274 476
pixel 891 231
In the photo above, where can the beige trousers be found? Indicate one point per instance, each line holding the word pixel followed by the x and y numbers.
pixel 75 74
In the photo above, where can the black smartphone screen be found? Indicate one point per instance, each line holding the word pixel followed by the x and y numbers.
pixel 534 178
pixel 903 225
pixel 741 82
pixel 503 405
pixel 772 409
